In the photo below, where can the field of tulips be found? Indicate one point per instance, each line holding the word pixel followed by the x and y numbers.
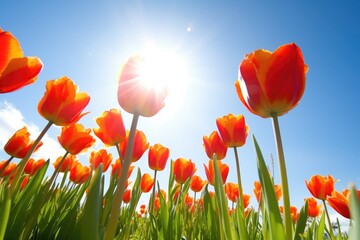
pixel 73 202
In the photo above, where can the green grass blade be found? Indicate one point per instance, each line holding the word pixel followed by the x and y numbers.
pixel 301 222
pixel 355 214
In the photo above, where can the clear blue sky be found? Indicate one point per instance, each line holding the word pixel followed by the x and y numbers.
pixel 89 40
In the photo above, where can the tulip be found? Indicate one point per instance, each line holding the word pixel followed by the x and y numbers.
pixel 183 170
pixel 294 212
pixel 139 148
pixel 62 104
pixel 314 210
pixel 134 95
pixel 232 193
pixel 214 145
pixel 79 173
pixel 67 163
pixel 321 187
pixel 19 144
pixel 158 156
pixel 233 130
pixel 6 169
pixel 340 202
pixel 272 83
pixel 258 190
pixel 16 71
pixel 127 196
pixel 111 130
pixel 146 183
pixel 116 168
pixel 33 166
pixel 100 157
pixel 210 171
pixel 197 183
pixel 75 138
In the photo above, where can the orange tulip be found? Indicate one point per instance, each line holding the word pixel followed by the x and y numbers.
pixel 6 171
pixel 293 211
pixel 210 171
pixel 214 145
pixel 197 183
pixel 314 210
pixel 116 168
pixel 139 148
pixel 340 202
pixel 134 95
pixel 16 71
pixel 111 130
pixel 127 196
pixel 146 183
pixel 79 173
pixel 66 164
pixel 183 170
pixel 158 156
pixel 19 144
pixel 142 209
pixel 75 138
pixel 272 83
pixel 101 156
pixel 33 166
pixel 233 130
pixel 258 190
pixel 321 187
pixel 161 192
pixel 62 104
pixel 24 182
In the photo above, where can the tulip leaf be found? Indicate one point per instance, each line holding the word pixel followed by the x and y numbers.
pixel 276 226
pixel 320 228
pixel 355 214
pixel 301 222
pixel 87 227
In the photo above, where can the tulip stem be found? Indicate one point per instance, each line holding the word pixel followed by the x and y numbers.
pixel 283 175
pixel 152 199
pixel 119 193
pixel 241 196
pixel 119 152
pixel 329 221
pixel 23 162
pixel 56 172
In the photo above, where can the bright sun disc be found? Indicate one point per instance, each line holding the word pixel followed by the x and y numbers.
pixel 164 69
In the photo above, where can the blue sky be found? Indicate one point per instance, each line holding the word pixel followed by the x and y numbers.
pixel 89 40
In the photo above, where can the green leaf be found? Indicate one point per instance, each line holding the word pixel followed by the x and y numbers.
pixel 355 214
pixel 87 227
pixel 5 207
pixel 268 194
pixel 301 222
pixel 321 228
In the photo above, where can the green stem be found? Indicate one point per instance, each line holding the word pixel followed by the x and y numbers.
pixel 329 221
pixel 54 175
pixel 283 175
pixel 119 152
pixel 23 162
pixel 153 194
pixel 119 193
pixel 241 194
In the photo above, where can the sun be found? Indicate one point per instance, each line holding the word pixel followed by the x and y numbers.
pixel 165 69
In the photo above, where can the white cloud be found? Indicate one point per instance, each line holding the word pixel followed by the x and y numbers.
pixel 11 120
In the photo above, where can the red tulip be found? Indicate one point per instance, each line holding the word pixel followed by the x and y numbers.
pixel 6 171
pixel 75 138
pixel 101 156
pixel 214 145
pixel 79 173
pixel 62 104
pixel 66 164
pixel 233 130
pixel 111 130
pixel 210 171
pixel 314 210
pixel 33 166
pixel 197 183
pixel 140 145
pixel 321 187
pixel 158 156
pixel 183 170
pixel 340 202
pixel 272 82
pixel 146 183
pixel 16 71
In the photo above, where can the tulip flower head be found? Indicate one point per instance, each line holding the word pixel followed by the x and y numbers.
pixel 75 138
pixel 314 209
pixel 67 164
pixel 140 145
pixel 158 156
pixel 340 202
pixel 146 183
pixel 111 130
pixel 272 82
pixel 33 166
pixel 16 71
pixel 233 130
pixel 127 196
pixel 135 96
pixel 183 170
pixel 6 170
pixel 197 183
pixel 214 145
pixel 79 173
pixel 101 156
pixel 116 168
pixel 19 144
pixel 321 187
pixel 62 104
pixel 210 171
